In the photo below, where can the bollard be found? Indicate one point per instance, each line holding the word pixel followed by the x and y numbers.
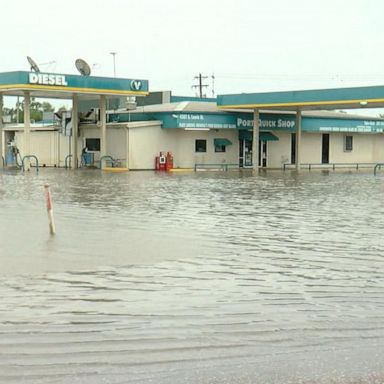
pixel 48 201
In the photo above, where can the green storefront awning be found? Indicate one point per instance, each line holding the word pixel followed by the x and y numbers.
pixel 267 136
pixel 263 136
pixel 221 142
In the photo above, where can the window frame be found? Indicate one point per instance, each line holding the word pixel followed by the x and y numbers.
pixel 94 146
pixel 220 148
pixel 348 143
pixel 204 147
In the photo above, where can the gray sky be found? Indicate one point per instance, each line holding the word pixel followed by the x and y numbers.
pixel 249 45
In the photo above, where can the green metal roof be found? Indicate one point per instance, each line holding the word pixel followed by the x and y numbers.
pixel 348 98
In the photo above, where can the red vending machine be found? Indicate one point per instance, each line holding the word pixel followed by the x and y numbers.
pixel 169 161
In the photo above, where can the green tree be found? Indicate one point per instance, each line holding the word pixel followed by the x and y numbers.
pixel 36 110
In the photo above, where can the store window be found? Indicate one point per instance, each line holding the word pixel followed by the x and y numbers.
pixel 220 144
pixel 200 145
pixel 220 148
pixel 348 143
pixel 92 145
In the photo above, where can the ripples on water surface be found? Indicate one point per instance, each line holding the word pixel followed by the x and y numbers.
pixel 192 278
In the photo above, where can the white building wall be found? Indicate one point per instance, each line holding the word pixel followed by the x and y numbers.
pixel 145 143
pixel 187 157
pixel 378 148
pixel 65 147
pixel 367 148
pixel 140 146
pixel 117 144
pixel 362 150
pixel 279 152
pixel 311 147
pixel 43 145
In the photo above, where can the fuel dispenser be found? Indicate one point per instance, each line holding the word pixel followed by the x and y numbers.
pixel 12 154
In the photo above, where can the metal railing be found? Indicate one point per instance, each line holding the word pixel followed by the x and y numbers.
pixel 215 167
pixel 30 157
pixel 377 166
pixel 107 158
pixel 332 166
pixel 66 161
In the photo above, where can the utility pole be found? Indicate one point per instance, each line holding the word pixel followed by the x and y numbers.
pixel 114 62
pixel 200 85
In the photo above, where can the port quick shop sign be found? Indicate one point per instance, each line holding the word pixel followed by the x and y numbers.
pixel 47 79
pixel 265 123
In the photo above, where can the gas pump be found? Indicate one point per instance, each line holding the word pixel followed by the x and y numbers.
pixel 11 154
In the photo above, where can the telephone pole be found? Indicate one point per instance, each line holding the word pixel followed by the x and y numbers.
pixel 114 62
pixel 200 84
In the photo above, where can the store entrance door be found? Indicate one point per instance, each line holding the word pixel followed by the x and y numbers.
pixel 245 155
pixel 262 154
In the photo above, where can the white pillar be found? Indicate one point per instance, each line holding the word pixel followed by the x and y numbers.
pixel 103 127
pixel 27 128
pixel 1 130
pixel 255 142
pixel 75 131
pixel 298 139
pixel 127 152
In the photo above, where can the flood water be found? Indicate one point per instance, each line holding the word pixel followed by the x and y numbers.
pixel 204 277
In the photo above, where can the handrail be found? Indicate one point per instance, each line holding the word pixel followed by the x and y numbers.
pixel 222 166
pixel 106 157
pixel 66 161
pixel 28 157
pixel 4 162
pixel 331 165
pixel 377 166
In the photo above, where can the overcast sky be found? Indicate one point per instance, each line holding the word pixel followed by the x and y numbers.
pixel 249 45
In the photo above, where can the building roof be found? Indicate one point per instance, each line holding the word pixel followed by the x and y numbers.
pixel 211 107
pixel 315 99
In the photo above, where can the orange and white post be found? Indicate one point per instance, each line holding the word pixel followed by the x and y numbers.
pixel 48 201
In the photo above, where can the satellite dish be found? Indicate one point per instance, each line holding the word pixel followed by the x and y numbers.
pixel 32 63
pixel 83 67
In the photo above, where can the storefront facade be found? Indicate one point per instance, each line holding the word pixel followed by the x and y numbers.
pixel 201 137
pixel 195 131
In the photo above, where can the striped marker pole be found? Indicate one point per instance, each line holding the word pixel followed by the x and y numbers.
pixel 48 201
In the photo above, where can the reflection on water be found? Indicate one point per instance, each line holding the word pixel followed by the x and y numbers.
pixel 192 278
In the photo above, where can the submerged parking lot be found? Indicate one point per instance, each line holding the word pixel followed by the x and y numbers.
pixel 207 277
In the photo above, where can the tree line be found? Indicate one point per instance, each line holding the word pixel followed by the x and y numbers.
pixel 36 110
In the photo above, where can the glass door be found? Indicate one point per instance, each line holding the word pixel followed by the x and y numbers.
pixel 245 153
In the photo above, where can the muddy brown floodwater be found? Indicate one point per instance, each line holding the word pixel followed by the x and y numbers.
pixel 204 277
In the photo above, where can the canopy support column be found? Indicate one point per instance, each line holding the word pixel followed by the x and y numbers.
pixel 127 152
pixel 27 128
pixel 298 140
pixel 2 152
pixel 255 143
pixel 103 127
pixel 75 131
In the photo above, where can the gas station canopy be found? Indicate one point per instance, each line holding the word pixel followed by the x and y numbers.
pixel 64 86
pixel 340 98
